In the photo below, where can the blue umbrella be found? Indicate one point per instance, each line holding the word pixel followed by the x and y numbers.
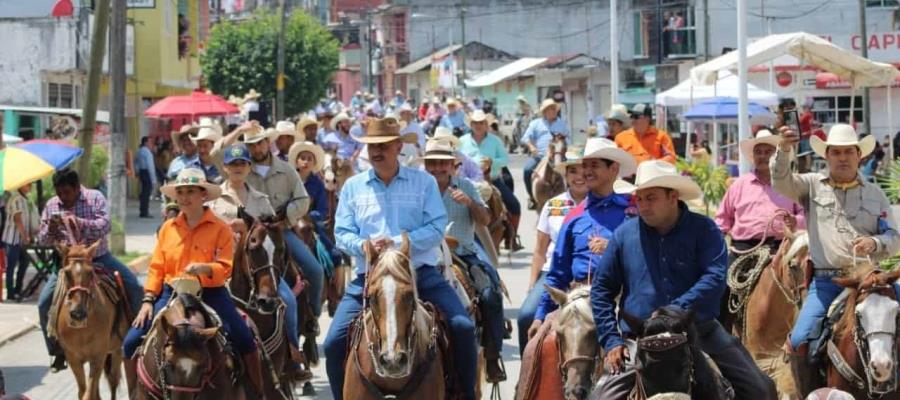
pixel 725 109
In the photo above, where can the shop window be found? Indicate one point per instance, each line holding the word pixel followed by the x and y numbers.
pixel 679 32
pixel 836 109
pixel 641 33
pixel 60 95
pixel 881 3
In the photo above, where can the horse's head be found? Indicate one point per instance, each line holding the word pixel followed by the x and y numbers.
pixel 79 279
pixel 188 350
pixel 873 321
pixel 256 272
pixel 665 350
pixel 576 336
pixel 392 303
pixel 339 170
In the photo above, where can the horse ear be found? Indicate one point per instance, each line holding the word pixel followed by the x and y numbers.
pixel 92 249
pixel 846 282
pixel 635 323
pixel 404 244
pixel 558 296
pixel 892 276
pixel 207 333
pixel 63 250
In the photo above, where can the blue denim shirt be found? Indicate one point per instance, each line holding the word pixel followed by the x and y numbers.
pixel 316 191
pixel 573 256
pixel 540 132
pixel 179 163
pixel 344 145
pixel 455 119
pixel 369 209
pixel 686 268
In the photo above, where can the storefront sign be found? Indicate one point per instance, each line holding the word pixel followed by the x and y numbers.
pixel 784 79
pixel 883 46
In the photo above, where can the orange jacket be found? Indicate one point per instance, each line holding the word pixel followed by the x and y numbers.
pixel 177 246
pixel 654 144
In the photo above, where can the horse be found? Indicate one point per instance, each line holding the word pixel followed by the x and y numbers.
pixel 336 281
pixel 91 303
pixel 396 348
pixel 862 353
pixel 545 182
pixel 668 358
pixel 500 227
pixel 184 356
pixel 254 288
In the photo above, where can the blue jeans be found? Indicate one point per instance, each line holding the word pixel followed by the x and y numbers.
pixel 217 298
pixel 509 199
pixel 309 265
pixel 16 266
pixel 527 170
pixel 290 318
pixel 133 290
pixel 822 292
pixel 527 310
pixel 490 304
pixel 432 288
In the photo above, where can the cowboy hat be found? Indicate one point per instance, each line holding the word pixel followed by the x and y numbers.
pixel 207 129
pixel 485 190
pixel 405 107
pixel 384 130
pixel 286 128
pixel 842 135
pixel 452 102
pixel 549 103
pixel 191 177
pixel 306 121
pixel 311 147
pixel 235 100
pixel 641 109
pixel 338 119
pixel 573 156
pixel 256 134
pixel 437 150
pixel 618 112
pixel 521 99
pixel 763 136
pixel 252 94
pixel 606 149
pixel 658 173
pixel 189 129
pixel 444 133
pixel 477 116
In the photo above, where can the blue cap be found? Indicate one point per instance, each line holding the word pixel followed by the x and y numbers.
pixel 237 152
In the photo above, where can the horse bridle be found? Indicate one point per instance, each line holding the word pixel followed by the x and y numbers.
pixel 661 342
pixel 372 346
pixel 566 362
pixel 163 389
pixel 252 301
pixel 860 338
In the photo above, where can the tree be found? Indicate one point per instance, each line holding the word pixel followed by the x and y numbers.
pixel 242 56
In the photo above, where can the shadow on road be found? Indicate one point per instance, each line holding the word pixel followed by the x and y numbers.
pixel 20 379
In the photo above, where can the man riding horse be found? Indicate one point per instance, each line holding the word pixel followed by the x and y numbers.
pixel 848 218
pixel 377 207
pixel 465 208
pixel 537 138
pixel 84 210
pixel 669 257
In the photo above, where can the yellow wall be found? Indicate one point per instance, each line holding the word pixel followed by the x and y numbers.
pixel 158 71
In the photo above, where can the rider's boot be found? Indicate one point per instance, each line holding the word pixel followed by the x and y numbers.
pixel 59 357
pixel 514 222
pixel 806 372
pixel 253 370
pixel 493 367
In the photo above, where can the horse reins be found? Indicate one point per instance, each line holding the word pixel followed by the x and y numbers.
pixel 564 365
pixel 162 389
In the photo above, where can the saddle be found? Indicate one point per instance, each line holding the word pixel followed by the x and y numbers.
pixel 109 286
pixel 540 376
pixel 823 329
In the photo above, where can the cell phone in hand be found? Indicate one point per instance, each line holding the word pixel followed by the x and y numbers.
pixel 792 119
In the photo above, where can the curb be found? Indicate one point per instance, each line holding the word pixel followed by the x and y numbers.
pixel 28 327
pixel 139 265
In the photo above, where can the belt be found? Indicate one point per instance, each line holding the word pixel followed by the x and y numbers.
pixel 829 273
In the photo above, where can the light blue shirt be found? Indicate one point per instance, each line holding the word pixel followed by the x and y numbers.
pixel 540 132
pixel 179 163
pixel 144 161
pixel 345 145
pixel 462 227
pixel 369 209
pixel 455 119
pixel 491 147
pixel 413 127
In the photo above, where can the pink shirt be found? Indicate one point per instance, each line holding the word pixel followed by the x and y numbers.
pixel 747 207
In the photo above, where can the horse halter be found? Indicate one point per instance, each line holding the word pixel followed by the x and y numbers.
pixel 566 362
pixel 374 347
pixel 252 301
pixel 860 338
pixel 163 389
pixel 661 343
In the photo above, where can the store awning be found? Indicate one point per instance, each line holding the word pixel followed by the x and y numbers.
pixel 507 71
pixel 425 62
pixel 827 80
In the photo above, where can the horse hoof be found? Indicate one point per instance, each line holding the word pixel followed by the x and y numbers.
pixel 308 389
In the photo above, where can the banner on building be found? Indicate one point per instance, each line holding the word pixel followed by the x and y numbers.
pixel 445 71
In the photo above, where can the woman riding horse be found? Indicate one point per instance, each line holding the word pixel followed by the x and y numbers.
pixel 195 242
pixel 309 159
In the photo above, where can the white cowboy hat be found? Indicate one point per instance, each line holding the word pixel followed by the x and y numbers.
pixel 311 147
pixel 252 94
pixel 658 173
pixel 573 156
pixel 618 112
pixel 384 130
pixel 485 190
pixel 257 134
pixel 207 129
pixel 338 119
pixel 186 129
pixel 843 135
pixel 763 136
pixel 191 177
pixel 477 116
pixel 444 133
pixel 607 150
pixel 452 102
pixel 405 107
pixel 286 128
pixel 437 150
pixel 548 103
pixel 306 121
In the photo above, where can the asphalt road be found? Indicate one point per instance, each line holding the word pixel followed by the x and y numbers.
pixel 25 364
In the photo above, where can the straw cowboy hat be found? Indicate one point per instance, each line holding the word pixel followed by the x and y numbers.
pixel 384 130
pixel 235 100
pixel 842 135
pixel 619 112
pixel 252 95
pixel 549 103
pixel 573 156
pixel 607 150
pixel 191 177
pixel 437 150
pixel 444 133
pixel 763 136
pixel 189 129
pixel 452 102
pixel 311 147
pixel 286 128
pixel 338 119
pixel 658 173
pixel 405 107
pixel 477 116
pixel 521 99
pixel 207 129
pixel 256 134
pixel 306 121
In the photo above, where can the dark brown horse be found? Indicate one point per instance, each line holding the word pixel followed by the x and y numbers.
pixel 395 349
pixel 547 183
pixel 89 303
pixel 865 339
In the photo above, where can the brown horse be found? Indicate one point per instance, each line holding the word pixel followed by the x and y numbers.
pixel 396 349
pixel 869 321
pixel 254 288
pixel 91 303
pixel 545 182
pixel 184 356
pixel 333 290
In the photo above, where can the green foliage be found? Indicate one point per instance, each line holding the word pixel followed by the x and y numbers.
pixel 891 183
pixel 242 56
pixel 713 179
pixel 99 162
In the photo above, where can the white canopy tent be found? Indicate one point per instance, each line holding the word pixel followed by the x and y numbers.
pixel 688 92
pixel 809 49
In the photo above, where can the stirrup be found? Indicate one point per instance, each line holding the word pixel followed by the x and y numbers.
pixel 502 377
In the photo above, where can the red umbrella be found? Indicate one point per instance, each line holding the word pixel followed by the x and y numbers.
pixel 196 104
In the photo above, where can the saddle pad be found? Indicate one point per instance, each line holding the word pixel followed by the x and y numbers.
pixel 540 378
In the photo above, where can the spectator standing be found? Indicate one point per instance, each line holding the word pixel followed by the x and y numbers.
pixel 145 167
pixel 18 232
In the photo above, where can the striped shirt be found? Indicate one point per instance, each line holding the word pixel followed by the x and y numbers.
pixel 17 204
pixel 462 228
pixel 91 213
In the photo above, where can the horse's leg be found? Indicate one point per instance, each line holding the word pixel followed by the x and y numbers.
pixel 98 365
pixel 77 366
pixel 113 370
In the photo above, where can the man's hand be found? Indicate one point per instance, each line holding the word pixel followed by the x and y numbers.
pixel 460 197
pixel 789 138
pixel 533 329
pixel 238 226
pixel 378 245
pixel 615 359
pixel 790 222
pixel 598 244
pixel 864 246
pixel 199 269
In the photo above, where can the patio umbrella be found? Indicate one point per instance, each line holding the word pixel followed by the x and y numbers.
pixel 194 105
pixel 32 160
pixel 725 109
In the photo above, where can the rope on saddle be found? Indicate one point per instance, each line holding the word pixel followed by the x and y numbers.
pixel 324 259
pixel 743 275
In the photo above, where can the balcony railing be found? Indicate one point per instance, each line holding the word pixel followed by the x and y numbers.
pixel 680 43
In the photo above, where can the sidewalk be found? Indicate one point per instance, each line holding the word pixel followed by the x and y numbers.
pixel 17 320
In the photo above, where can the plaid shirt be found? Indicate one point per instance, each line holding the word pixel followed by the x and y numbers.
pixel 91 213
pixel 462 228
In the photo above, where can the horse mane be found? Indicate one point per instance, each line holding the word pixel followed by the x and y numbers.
pixel 396 263
pixel 844 327
pixel 578 307
pixel 192 303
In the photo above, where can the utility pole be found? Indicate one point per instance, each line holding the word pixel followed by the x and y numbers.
pixel 613 52
pixel 706 29
pixel 279 82
pixel 368 36
pixel 462 53
pixel 118 137
pixel 92 95
pixel 864 46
